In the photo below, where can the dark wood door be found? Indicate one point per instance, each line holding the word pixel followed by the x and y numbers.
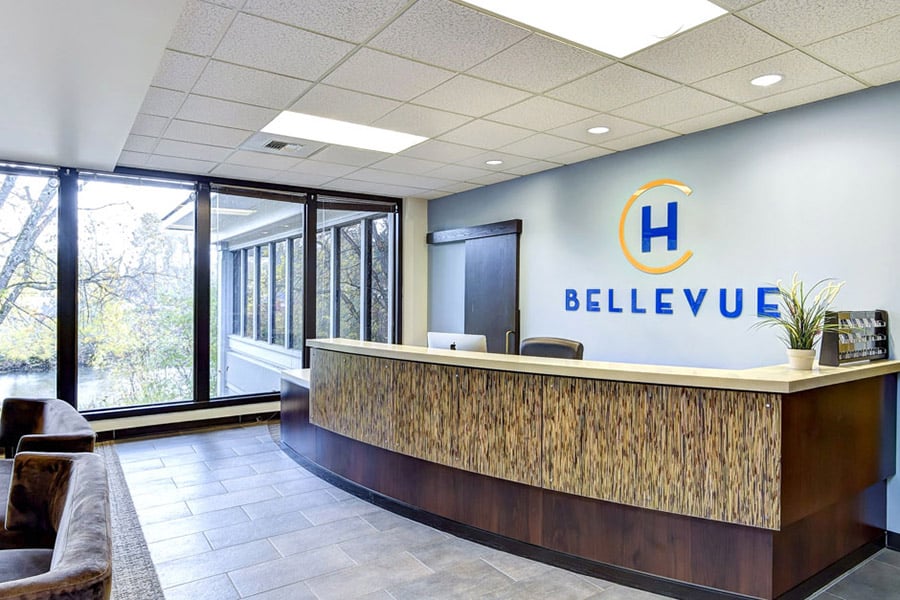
pixel 492 290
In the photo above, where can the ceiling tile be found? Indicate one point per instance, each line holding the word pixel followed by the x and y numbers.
pixel 677 105
pixel 613 87
pixel 586 153
pixel 189 150
pixel 441 151
pixel 509 161
pixel 140 143
pixel 203 133
pixel 225 113
pixel 242 172
pixel 178 71
pixel 542 146
pixel 149 125
pixel 371 187
pixel 336 103
pixel 534 167
pixel 470 96
pixel 162 102
pixel 404 179
pixel 485 134
pixel 458 188
pixel 229 3
pixel 618 127
pixel 381 74
pixel 283 49
pixel 200 27
pixel 406 164
pixel 460 172
pixel 651 136
pixel 540 113
pixel 180 165
pixel 734 4
pixel 725 44
pixel 802 22
pixel 538 63
pixel 325 169
pixel 818 91
pixel 421 120
pixel 862 49
pixel 301 179
pixel 250 86
pixel 132 159
pixel 881 75
pixel 262 160
pixel 345 19
pixel 350 156
pixel 798 69
pixel 494 178
pixel 447 34
pixel 713 119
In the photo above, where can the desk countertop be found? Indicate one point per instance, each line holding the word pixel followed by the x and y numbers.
pixel 776 378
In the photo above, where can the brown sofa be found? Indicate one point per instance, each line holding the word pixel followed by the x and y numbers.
pixel 43 425
pixel 56 542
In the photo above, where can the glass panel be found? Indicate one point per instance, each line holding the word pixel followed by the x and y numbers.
pixel 323 284
pixel 379 303
pixel 297 295
pixel 246 362
pixel 279 305
pixel 235 258
pixel 350 281
pixel 28 248
pixel 135 304
pixel 262 307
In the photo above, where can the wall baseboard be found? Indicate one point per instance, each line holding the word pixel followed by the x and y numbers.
pixel 892 540
pixel 118 428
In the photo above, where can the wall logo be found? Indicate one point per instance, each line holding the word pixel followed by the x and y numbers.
pixel 648 232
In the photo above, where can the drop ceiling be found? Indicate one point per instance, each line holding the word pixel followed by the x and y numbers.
pixel 192 92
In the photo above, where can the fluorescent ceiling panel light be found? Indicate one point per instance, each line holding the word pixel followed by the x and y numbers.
pixel 493 162
pixel 332 131
pixel 235 212
pixel 618 28
pixel 766 80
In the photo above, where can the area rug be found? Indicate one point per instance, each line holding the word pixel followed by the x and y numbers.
pixel 134 576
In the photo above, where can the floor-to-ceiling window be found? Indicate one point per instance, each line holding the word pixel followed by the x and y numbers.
pixel 28 281
pixel 135 293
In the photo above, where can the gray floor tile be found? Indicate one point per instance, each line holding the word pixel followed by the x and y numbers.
pixel 142 465
pixel 175 548
pixel 362 580
pixel 891 557
pixel 465 579
pixel 193 524
pixel 164 512
pixel 214 562
pixel 618 592
pixel 278 573
pixel 321 536
pixel 326 513
pixel 249 460
pixel 146 501
pixel 874 579
pixel 277 463
pixel 447 553
pixel 286 504
pixel 295 591
pixel 299 482
pixel 199 506
pixel 195 457
pixel 570 588
pixel 211 475
pixel 277 480
pixel 377 544
pixel 257 529
pixel 212 588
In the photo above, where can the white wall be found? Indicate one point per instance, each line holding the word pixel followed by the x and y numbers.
pixel 414 304
pixel 813 189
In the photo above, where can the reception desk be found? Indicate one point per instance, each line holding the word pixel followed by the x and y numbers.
pixel 749 482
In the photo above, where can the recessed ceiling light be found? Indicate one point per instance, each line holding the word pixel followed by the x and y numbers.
pixel 598 130
pixel 332 131
pixel 766 80
pixel 494 162
pixel 616 28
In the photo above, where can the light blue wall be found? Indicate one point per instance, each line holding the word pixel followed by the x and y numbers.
pixel 814 189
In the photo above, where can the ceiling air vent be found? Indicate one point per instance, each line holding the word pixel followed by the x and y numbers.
pixel 282 146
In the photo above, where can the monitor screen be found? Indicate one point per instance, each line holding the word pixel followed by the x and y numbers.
pixel 457 341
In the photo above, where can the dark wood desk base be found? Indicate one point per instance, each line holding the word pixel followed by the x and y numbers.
pixel 678 556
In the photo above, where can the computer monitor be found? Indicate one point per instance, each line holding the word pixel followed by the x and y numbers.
pixel 457 341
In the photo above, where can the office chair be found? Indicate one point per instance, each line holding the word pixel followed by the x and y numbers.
pixel 552 347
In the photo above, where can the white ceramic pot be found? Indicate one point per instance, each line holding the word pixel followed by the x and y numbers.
pixel 801 359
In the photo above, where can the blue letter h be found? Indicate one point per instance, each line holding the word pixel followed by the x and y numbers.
pixel 670 230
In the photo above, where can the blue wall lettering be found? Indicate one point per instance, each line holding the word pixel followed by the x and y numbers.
pixel 591 304
pixel 663 307
pixel 695 303
pixel 762 308
pixel 612 302
pixel 669 231
pixel 738 303
pixel 572 302
pixel 634 306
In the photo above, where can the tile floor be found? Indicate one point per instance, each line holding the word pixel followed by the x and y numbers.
pixel 228 515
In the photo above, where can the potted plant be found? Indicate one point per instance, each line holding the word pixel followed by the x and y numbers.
pixel 802 318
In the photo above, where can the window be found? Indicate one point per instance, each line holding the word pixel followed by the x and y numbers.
pixel 28 249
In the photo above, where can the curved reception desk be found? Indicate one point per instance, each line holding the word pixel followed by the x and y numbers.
pixel 691 482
